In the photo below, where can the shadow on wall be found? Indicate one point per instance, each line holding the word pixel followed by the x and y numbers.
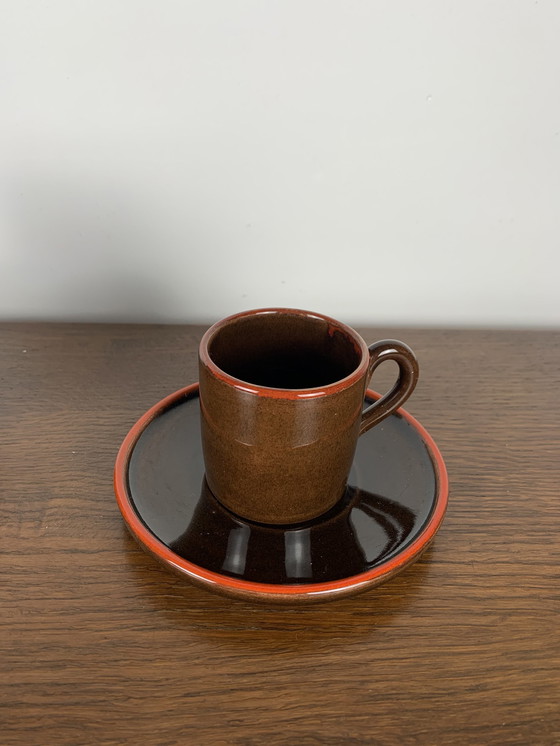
pixel 85 251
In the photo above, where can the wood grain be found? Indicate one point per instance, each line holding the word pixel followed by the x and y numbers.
pixel 99 645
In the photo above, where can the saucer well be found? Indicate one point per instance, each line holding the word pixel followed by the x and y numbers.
pixel 393 506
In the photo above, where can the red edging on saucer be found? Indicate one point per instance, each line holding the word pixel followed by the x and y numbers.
pixel 262 591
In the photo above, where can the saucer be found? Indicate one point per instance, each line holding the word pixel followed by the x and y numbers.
pixel 392 508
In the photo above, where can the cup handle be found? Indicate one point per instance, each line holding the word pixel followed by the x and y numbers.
pixel 390 349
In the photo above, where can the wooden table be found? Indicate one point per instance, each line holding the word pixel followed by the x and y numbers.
pixel 100 645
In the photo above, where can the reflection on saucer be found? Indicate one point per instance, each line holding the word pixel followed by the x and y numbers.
pixel 362 529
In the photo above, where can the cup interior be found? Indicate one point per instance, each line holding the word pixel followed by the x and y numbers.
pixel 279 349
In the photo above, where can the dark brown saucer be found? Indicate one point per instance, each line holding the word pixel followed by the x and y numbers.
pixel 393 506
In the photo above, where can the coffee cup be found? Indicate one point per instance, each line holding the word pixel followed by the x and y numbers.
pixel 281 396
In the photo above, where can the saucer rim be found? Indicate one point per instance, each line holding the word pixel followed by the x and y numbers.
pixel 235 586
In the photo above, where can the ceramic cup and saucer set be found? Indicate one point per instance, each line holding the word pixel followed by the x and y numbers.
pixel 279 476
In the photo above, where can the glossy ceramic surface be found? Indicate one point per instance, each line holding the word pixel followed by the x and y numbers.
pixel 390 511
pixel 282 399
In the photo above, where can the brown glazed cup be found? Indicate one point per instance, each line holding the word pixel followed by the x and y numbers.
pixel 281 397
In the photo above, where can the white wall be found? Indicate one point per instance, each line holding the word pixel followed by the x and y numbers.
pixel 394 161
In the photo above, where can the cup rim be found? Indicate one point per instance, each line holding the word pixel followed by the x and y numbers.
pixel 282 393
